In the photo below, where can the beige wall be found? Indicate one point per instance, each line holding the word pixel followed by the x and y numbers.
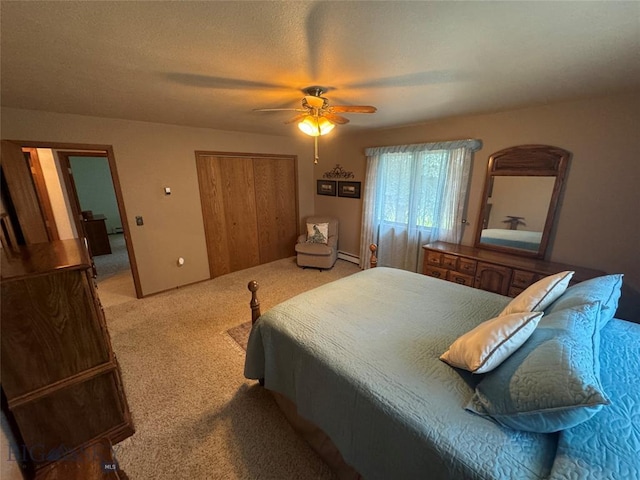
pixel 149 157
pixel 526 197
pixel 597 224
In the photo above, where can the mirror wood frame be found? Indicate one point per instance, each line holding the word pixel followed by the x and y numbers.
pixel 525 161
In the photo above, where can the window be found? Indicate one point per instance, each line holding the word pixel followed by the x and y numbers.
pixel 414 194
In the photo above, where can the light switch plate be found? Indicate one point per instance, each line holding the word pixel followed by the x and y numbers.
pixel 139 221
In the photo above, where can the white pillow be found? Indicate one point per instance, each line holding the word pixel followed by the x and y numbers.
pixel 492 342
pixel 540 295
pixel 317 232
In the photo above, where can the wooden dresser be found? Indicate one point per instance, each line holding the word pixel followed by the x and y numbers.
pixel 60 377
pixel 95 228
pixel 496 272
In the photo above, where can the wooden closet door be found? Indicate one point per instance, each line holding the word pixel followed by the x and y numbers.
pixel 229 212
pixel 275 193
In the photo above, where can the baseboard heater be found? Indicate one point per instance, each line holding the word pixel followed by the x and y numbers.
pixel 349 257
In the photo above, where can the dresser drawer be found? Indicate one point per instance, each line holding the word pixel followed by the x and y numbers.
pixel 467 266
pixel 449 261
pixel 522 279
pixel 460 278
pixel 433 258
pixel 435 272
pixel 515 291
pixel 493 278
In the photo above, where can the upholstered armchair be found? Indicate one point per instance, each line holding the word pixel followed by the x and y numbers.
pixel 318 248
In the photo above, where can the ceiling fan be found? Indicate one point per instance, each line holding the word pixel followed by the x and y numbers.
pixel 317 117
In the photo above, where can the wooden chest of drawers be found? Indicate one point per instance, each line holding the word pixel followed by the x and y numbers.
pixel 492 271
pixel 60 376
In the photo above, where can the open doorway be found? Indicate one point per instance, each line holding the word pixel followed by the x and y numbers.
pixel 94 205
pixel 79 194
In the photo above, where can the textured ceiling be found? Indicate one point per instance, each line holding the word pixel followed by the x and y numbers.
pixel 209 64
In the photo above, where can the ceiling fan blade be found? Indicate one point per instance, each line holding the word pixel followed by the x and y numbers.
pixel 352 109
pixel 335 118
pixel 279 110
pixel 295 119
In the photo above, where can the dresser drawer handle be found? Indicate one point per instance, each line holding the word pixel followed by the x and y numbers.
pixel 435 274
pixel 434 259
pixel 459 280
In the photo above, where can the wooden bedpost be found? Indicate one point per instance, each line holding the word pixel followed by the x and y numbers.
pixel 254 303
pixel 374 260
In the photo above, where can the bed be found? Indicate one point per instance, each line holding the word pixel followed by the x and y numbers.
pixel 359 359
pixel 511 238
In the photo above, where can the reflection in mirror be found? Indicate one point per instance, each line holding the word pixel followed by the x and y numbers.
pixel 517 211
pixel 521 194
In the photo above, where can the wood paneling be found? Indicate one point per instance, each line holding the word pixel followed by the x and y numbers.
pixel 249 209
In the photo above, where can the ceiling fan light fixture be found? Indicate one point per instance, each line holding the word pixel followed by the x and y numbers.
pixel 315 126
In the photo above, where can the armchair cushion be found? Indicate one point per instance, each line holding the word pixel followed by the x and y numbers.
pixel 310 248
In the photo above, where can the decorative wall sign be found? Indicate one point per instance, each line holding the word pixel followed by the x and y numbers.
pixel 349 189
pixel 326 187
pixel 338 172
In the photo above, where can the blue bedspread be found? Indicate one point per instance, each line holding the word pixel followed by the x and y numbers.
pixel 359 358
pixel 607 447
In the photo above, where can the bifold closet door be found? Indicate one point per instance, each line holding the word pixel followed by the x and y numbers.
pixel 275 189
pixel 229 213
pixel 249 209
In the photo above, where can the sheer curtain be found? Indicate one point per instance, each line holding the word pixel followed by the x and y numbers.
pixel 414 194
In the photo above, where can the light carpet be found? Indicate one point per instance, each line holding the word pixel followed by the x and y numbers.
pixel 196 417
pixel 114 262
pixel 115 281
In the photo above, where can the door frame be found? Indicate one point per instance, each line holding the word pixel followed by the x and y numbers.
pixel 42 192
pixel 86 149
pixel 70 183
pixel 16 173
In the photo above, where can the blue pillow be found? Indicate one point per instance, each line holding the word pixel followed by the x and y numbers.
pixel 553 381
pixel 605 290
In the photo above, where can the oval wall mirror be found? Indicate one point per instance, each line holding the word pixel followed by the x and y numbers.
pixel 521 196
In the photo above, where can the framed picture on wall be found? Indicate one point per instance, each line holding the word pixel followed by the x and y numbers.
pixel 326 187
pixel 349 189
